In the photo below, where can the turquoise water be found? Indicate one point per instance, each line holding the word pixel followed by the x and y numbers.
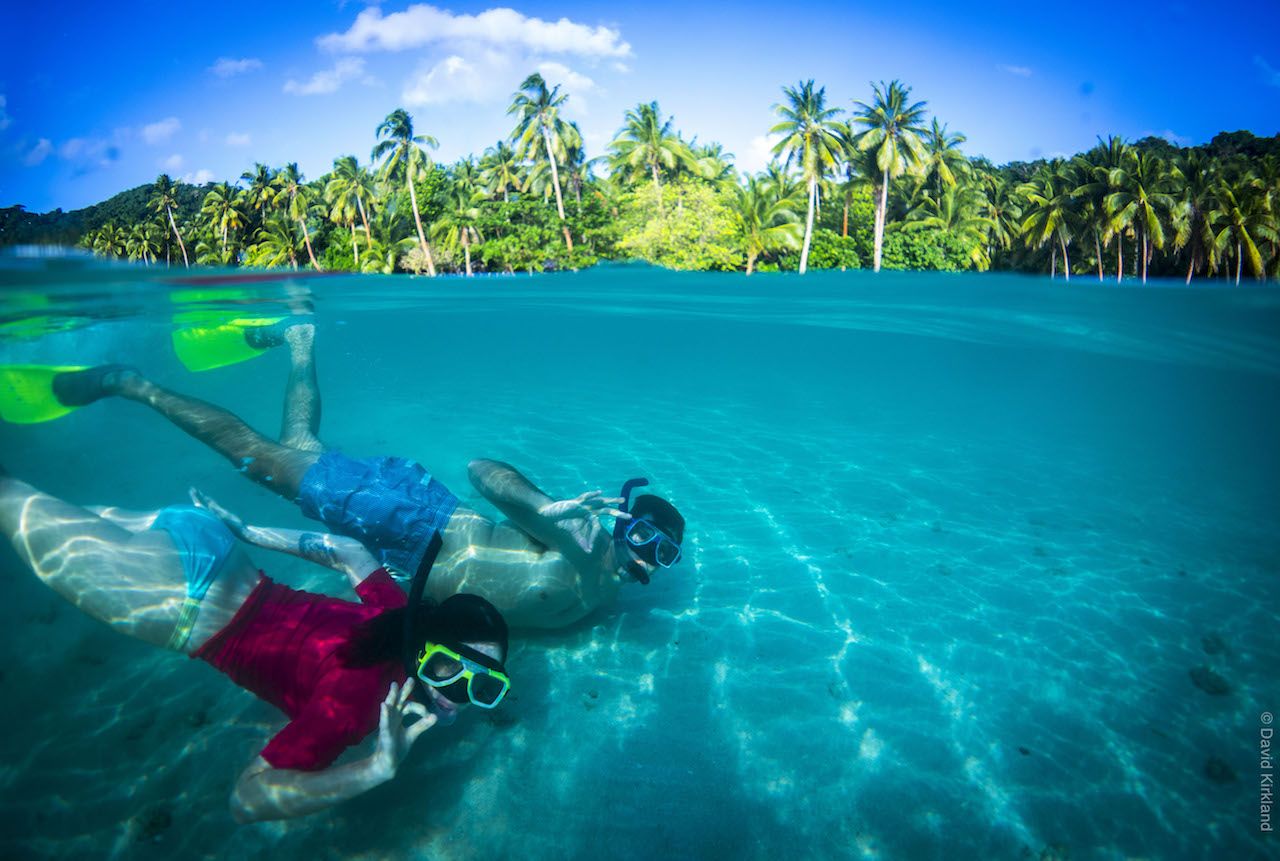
pixel 955 545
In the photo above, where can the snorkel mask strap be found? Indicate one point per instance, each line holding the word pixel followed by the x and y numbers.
pixel 415 598
pixel 620 532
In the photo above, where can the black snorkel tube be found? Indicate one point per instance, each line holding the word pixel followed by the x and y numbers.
pixel 632 567
pixel 409 646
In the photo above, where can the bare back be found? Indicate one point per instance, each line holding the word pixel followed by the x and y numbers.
pixel 532 586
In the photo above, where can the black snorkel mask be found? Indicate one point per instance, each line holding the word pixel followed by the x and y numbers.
pixel 621 548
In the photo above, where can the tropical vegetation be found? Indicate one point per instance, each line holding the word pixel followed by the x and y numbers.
pixel 878 183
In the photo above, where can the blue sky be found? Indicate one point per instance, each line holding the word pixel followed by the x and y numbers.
pixel 106 97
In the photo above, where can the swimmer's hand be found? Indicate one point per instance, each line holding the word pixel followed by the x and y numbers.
pixel 332 551
pixel 580 517
pixel 394 738
pixel 232 521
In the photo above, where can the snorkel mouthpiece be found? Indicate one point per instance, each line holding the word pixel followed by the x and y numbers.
pixel 635 569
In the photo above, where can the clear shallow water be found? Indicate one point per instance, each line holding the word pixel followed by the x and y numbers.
pixel 954 547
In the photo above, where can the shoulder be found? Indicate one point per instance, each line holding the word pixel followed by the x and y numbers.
pixel 379 590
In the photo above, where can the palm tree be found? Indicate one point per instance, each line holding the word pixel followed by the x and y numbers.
pixel 1141 200
pixel 712 164
pixel 959 212
pixel 1050 212
pixel 141 243
pixel 109 240
pixel 345 192
pixel 295 199
pixel 1195 181
pixel 893 132
pixel 277 241
pixel 404 155
pixel 812 140
pixel 1241 218
pixel 388 225
pixel 539 132
pixel 163 199
pixel 943 157
pixel 457 226
pixel 222 207
pixel 1001 210
pixel 647 143
pixel 500 170
pixel 767 222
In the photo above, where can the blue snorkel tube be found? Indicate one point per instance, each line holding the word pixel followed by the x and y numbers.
pixel 635 569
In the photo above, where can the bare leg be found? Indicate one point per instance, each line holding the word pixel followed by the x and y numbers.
pixel 132 521
pixel 302 394
pixel 271 464
pixel 134 583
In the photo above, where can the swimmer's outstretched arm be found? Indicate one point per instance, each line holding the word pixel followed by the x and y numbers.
pixel 264 792
pixel 332 551
pixel 569 525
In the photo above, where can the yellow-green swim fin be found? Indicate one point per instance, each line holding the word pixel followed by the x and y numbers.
pixel 203 343
pixel 26 393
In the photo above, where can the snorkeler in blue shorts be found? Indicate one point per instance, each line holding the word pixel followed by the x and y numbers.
pixel 552 563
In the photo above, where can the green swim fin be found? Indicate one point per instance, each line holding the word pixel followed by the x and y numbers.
pixel 204 342
pixel 26 393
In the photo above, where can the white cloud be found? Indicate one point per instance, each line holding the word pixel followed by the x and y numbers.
pixel 457 79
pixel 200 177
pixel 328 80
pixel 571 81
pixel 4 116
pixel 422 24
pixel 159 132
pixel 88 153
pixel 1269 74
pixel 758 154
pixel 238 139
pixel 38 153
pixel 173 162
pixel 226 67
pixel 1171 136
pixel 1020 71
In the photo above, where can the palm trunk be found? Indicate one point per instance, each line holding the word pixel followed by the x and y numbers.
pixel 555 181
pixel 1239 261
pixel 417 219
pixel 1144 257
pixel 181 244
pixel 1097 250
pixel 1119 258
pixel 368 237
pixel 306 237
pixel 224 240
pixel 1066 261
pixel 1053 262
pixel 657 187
pixel 808 226
pixel 466 250
pixel 751 263
pixel 355 248
pixel 881 205
pixel 844 230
